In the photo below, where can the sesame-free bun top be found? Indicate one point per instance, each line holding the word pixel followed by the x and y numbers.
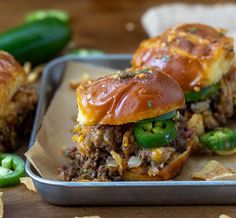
pixel 12 76
pixel 128 97
pixel 196 55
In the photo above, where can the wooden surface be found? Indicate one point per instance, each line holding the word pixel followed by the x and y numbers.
pixel 96 24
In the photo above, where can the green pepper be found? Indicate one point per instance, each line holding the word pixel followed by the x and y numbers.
pixel 36 42
pixel 83 52
pixel 51 13
pixel 222 139
pixel 166 116
pixel 11 170
pixel 202 94
pixel 155 134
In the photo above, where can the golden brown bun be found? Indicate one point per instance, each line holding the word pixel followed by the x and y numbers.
pixel 168 172
pixel 12 76
pixel 196 55
pixel 128 97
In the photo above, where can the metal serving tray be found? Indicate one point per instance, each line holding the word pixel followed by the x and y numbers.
pixel 117 193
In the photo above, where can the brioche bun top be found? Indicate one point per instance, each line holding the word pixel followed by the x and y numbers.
pixel 128 97
pixel 196 55
pixel 12 76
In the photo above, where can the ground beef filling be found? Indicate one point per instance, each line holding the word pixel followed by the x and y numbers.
pixel 17 122
pixel 103 152
pixel 214 112
pixel 217 109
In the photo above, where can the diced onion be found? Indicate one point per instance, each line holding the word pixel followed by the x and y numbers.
pixel 112 163
pixel 153 169
pixel 134 162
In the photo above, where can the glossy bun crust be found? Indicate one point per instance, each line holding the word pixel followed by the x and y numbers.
pixel 171 170
pixel 196 55
pixel 128 97
pixel 12 76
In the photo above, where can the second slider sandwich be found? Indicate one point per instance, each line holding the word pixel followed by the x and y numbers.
pixel 201 59
pixel 128 128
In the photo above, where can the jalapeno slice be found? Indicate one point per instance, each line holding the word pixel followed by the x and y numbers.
pixel 166 116
pixel 154 134
pixel 222 139
pixel 11 170
pixel 202 94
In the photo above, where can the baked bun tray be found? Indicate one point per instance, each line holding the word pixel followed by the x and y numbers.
pixel 117 193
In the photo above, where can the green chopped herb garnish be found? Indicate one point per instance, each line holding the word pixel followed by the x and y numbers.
pixel 166 58
pixel 192 30
pixel 222 33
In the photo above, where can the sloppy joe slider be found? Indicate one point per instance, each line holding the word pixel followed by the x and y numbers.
pixel 201 59
pixel 128 128
pixel 17 102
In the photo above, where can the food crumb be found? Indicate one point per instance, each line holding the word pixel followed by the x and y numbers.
pixel 28 182
pixel 83 79
pixel 130 26
pixel 35 73
pixel 74 84
pixel 211 171
pixel 27 67
pixel 196 88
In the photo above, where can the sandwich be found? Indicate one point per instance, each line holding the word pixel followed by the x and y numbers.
pixel 201 59
pixel 128 129
pixel 17 103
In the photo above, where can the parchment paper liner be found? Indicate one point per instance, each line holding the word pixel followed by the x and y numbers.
pixel 46 154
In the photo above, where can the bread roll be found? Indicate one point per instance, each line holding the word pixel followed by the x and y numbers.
pixel 196 55
pixel 128 97
pixel 12 76
pixel 171 170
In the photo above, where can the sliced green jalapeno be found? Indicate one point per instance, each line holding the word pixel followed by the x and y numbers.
pixel 166 116
pixel 154 134
pixel 11 170
pixel 202 94
pixel 223 139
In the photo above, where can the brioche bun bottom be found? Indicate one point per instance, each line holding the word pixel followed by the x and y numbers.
pixel 168 172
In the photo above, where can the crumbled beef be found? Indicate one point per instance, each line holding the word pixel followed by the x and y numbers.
pixel 225 106
pixel 17 123
pixel 90 163
pixel 209 120
pixel 201 106
pixel 104 137
pixel 99 140
pixel 184 135
pixel 215 110
pixel 220 107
